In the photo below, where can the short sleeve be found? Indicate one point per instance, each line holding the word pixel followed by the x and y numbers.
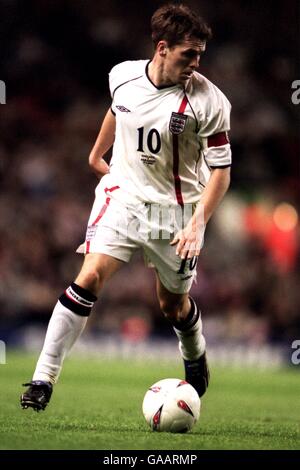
pixel 113 80
pixel 214 129
pixel 122 73
pixel 113 84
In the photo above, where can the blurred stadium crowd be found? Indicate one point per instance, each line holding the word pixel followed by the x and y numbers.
pixel 55 59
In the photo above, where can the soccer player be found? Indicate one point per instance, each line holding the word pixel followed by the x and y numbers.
pixel 170 169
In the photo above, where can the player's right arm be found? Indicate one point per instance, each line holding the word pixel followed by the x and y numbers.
pixel 103 143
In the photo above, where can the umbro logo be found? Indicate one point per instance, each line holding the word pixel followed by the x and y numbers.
pixel 123 109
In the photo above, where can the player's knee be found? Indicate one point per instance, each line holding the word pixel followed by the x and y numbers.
pixel 172 310
pixel 92 280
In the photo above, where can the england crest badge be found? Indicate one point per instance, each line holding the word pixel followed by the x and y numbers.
pixel 177 123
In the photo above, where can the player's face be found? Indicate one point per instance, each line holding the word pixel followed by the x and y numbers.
pixel 181 60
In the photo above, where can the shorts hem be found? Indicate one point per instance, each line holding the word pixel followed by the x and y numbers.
pixel 172 289
pixel 103 251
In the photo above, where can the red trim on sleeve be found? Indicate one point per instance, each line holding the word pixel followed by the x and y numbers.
pixel 217 140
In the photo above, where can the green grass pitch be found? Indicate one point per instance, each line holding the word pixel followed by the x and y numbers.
pixel 97 405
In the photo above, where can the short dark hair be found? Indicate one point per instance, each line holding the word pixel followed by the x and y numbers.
pixel 176 22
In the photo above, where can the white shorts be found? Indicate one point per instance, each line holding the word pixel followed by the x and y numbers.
pixel 118 230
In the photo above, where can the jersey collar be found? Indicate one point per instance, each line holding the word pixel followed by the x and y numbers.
pixel 159 88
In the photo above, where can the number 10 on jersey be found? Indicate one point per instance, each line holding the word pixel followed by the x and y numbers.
pixel 153 140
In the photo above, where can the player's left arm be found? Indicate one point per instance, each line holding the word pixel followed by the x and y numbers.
pixel 189 240
pixel 214 192
pixel 103 143
pixel 217 154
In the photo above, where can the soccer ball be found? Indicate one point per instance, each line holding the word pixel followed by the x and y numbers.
pixel 171 405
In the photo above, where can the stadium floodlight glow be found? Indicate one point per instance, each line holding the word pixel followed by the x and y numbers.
pixel 285 217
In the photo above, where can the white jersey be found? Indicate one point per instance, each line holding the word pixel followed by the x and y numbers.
pixel 167 139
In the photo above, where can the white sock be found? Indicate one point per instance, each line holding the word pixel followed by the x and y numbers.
pixel 63 330
pixel 191 340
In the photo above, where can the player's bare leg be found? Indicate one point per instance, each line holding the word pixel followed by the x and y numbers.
pixel 66 324
pixel 97 268
pixel 182 311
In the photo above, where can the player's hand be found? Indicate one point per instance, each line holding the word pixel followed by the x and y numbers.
pixel 188 241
